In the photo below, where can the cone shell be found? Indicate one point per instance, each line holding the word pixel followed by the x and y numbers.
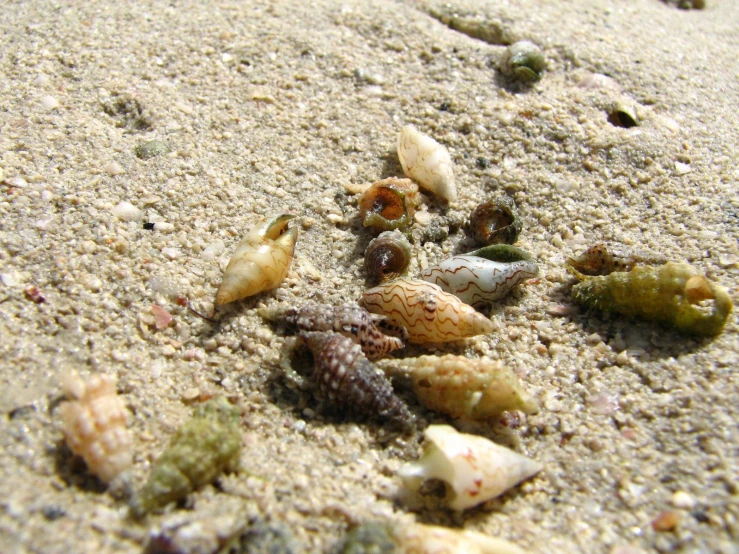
pixel 261 260
pixel 475 468
pixel 468 389
pixel 389 204
pixel 427 162
pixel 428 313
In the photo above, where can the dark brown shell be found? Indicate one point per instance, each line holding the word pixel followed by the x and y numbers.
pixel 387 256
pixel 496 221
pixel 346 378
pixel 389 204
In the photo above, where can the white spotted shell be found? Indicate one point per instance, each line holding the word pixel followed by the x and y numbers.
pixel 427 162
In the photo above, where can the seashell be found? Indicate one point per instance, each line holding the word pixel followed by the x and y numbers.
pixel 352 321
pixel 94 423
pixel 623 114
pixel 389 204
pixel 468 389
pixel 601 259
pixel 674 295
pixel 496 221
pixel 524 61
pixel 261 260
pixel 427 312
pixel 204 447
pixel 501 253
pixel 427 162
pixel 475 468
pixel 387 256
pixel 476 280
pixel 348 379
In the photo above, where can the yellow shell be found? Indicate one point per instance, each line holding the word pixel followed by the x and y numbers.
pixel 427 312
pixel 261 260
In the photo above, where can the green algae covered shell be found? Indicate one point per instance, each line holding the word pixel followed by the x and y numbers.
pixel 504 253
pixel 203 448
pixel 674 295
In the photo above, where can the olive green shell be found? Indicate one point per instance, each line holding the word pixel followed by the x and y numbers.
pixel 663 294
pixel 203 448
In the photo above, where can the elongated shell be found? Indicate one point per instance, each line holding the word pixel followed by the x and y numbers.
pixel 496 221
pixel 475 468
pixel 94 424
pixel 469 389
pixel 389 204
pixel 387 256
pixel 349 380
pixel 602 259
pixel 261 260
pixel 428 313
pixel 204 447
pixel 675 295
pixel 476 280
pixel 427 162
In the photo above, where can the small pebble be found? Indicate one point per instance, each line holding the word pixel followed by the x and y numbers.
pixel 151 149
pixel 682 499
pixel 162 318
pixel 49 103
pixel 666 521
pixel 163 226
pixel 40 80
pixel 114 168
pixel 191 394
pixel 125 211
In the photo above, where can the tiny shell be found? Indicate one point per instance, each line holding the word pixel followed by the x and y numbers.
pixel 468 389
pixel 496 221
pixel 94 424
pixel 387 256
pixel 427 162
pixel 602 259
pixel 261 260
pixel 476 280
pixel 623 113
pixel 475 468
pixel 348 379
pixel 671 294
pixel 204 447
pixel 427 312
pixel 524 61
pixel 389 204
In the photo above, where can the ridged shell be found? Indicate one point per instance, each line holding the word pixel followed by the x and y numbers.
pixel 387 256
pixel 427 162
pixel 670 294
pixel 602 259
pixel 428 313
pixel 346 378
pixel 389 204
pixel 496 221
pixel 261 260
pixel 476 280
pixel 204 447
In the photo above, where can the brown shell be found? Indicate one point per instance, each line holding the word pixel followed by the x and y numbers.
pixel 602 259
pixel 389 204
pixel 387 256
pixel 496 221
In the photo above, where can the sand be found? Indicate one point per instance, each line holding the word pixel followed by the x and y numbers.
pixel 269 107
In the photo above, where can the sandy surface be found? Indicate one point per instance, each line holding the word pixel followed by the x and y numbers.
pixel 274 107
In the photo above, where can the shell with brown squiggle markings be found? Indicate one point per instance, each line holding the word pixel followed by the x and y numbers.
pixel 387 256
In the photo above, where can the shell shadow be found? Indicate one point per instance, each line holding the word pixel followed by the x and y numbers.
pixel 73 470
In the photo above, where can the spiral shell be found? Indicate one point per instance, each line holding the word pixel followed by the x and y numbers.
pixel 345 377
pixel 94 424
pixel 524 61
pixel 387 256
pixel 427 312
pixel 673 295
pixel 261 260
pixel 475 280
pixel 496 221
pixel 427 162
pixel 203 448
pixel 389 204
pixel 602 259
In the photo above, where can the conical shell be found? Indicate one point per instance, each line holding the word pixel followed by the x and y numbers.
pixel 427 162
pixel 475 468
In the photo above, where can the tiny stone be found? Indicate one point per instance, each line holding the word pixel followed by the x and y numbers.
pixel 190 394
pixel 146 150
pixel 125 211
pixel 681 499
pixel 666 521
pixel 682 169
pixel 171 253
pixel 49 102
pixel 113 168
pixel 163 226
pixel 622 358
pixel 40 80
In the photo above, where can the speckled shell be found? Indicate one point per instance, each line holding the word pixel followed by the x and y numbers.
pixel 94 424
pixel 475 468
pixel 496 221
pixel 387 256
pixel 261 260
pixel 476 280
pixel 602 259
pixel 353 322
pixel 468 389
pixel 427 162
pixel 204 447
pixel 389 204
pixel 669 294
pixel 427 312
pixel 346 378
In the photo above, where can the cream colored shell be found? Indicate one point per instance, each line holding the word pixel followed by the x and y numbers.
pixel 427 312
pixel 94 424
pixel 431 539
pixel 427 162
pixel 475 468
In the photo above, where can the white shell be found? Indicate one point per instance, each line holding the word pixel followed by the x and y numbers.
pixel 427 162
pixel 476 280
pixel 431 539
pixel 475 468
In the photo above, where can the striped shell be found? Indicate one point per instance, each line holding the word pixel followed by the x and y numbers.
pixel 475 280
pixel 675 295
pixel 387 256
pixel 346 378
pixel 427 312
pixel 427 162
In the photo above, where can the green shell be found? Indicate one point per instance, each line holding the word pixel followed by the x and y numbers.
pixel 504 253
pixel 368 538
pixel 203 448
pixel 668 294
